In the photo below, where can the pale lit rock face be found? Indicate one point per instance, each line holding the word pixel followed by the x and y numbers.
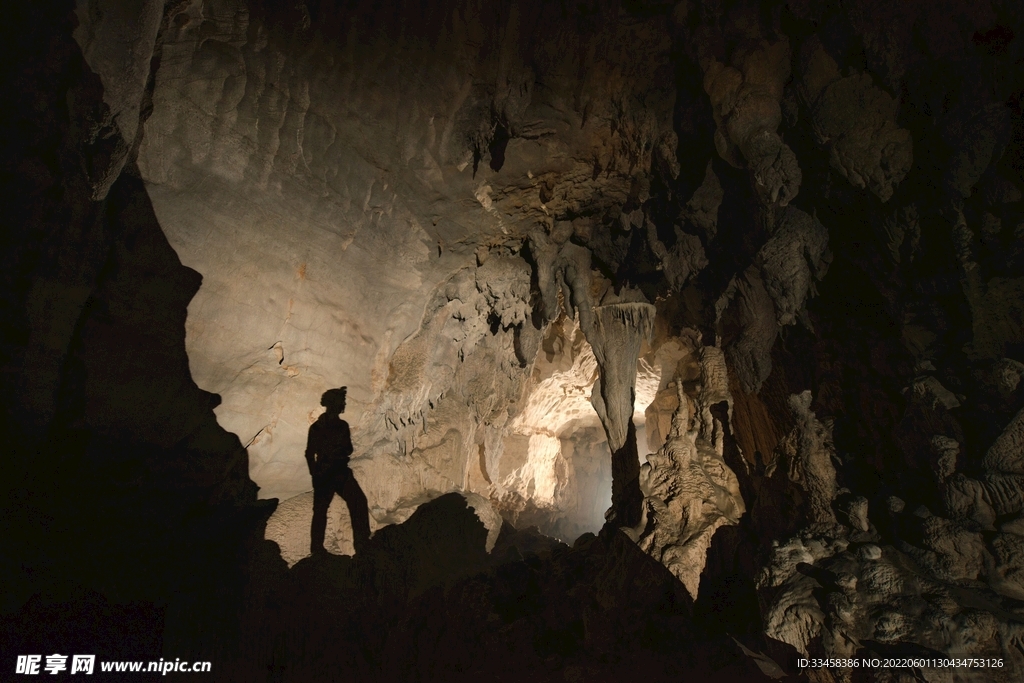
pixel 555 453
pixel 561 394
pixel 620 329
pixel 689 490
pixel 290 523
pixel 326 194
pixel 557 406
pixel 274 324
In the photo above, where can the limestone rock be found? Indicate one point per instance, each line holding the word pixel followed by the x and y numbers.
pixel 289 526
pixel 752 309
pixel 977 135
pixel 1008 373
pixel 745 99
pixel 793 259
pixel 777 174
pixel 832 603
pixel 118 40
pixel 689 493
pixel 786 558
pixel 796 617
pixel 481 218
pixel 946 450
pixel 930 391
pixel 966 498
pixel 617 335
pixel 901 231
pixel 1005 492
pixel 950 551
pixel 702 208
pixel 674 360
pixel 854 120
pixel 1008 553
pixel 810 451
pixel 684 260
pixel 504 282
pixel 1007 453
pixel 856 511
pixel 773 293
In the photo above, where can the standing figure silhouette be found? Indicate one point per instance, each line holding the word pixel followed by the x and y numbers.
pixel 327 453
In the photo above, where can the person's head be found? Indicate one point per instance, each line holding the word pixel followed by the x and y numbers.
pixel 334 400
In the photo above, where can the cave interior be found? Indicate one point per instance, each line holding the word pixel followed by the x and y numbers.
pixel 682 340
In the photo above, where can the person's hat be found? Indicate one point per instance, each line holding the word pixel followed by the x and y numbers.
pixel 333 397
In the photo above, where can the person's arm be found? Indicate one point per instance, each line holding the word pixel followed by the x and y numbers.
pixel 310 451
pixel 346 446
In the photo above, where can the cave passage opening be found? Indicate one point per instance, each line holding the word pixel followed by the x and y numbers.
pixel 556 465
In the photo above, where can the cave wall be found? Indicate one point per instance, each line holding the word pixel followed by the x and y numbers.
pixel 122 491
pixel 360 182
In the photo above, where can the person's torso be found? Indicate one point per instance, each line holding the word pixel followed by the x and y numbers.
pixel 331 442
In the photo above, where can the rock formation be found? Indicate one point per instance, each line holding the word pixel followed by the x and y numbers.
pixel 689 490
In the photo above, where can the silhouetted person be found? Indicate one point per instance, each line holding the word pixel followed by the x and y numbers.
pixel 327 452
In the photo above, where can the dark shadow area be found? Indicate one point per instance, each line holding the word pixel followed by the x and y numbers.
pixel 497 147
pixel 627 499
pixel 126 507
pixel 425 602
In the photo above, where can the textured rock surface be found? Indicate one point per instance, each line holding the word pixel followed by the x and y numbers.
pixel 853 120
pixel 745 98
pixel 810 452
pixel 689 490
pixel 772 293
pixel 336 220
pixel 831 598
pixel 1007 453
pixel 118 41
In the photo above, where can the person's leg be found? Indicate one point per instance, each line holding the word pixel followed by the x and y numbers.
pixel 358 510
pixel 322 496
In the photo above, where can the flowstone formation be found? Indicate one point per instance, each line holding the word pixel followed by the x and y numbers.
pixel 746 99
pixel 680 339
pixel 688 488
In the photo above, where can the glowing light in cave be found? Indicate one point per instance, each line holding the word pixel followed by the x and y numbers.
pixel 648 379
pixel 543 466
pixel 557 410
